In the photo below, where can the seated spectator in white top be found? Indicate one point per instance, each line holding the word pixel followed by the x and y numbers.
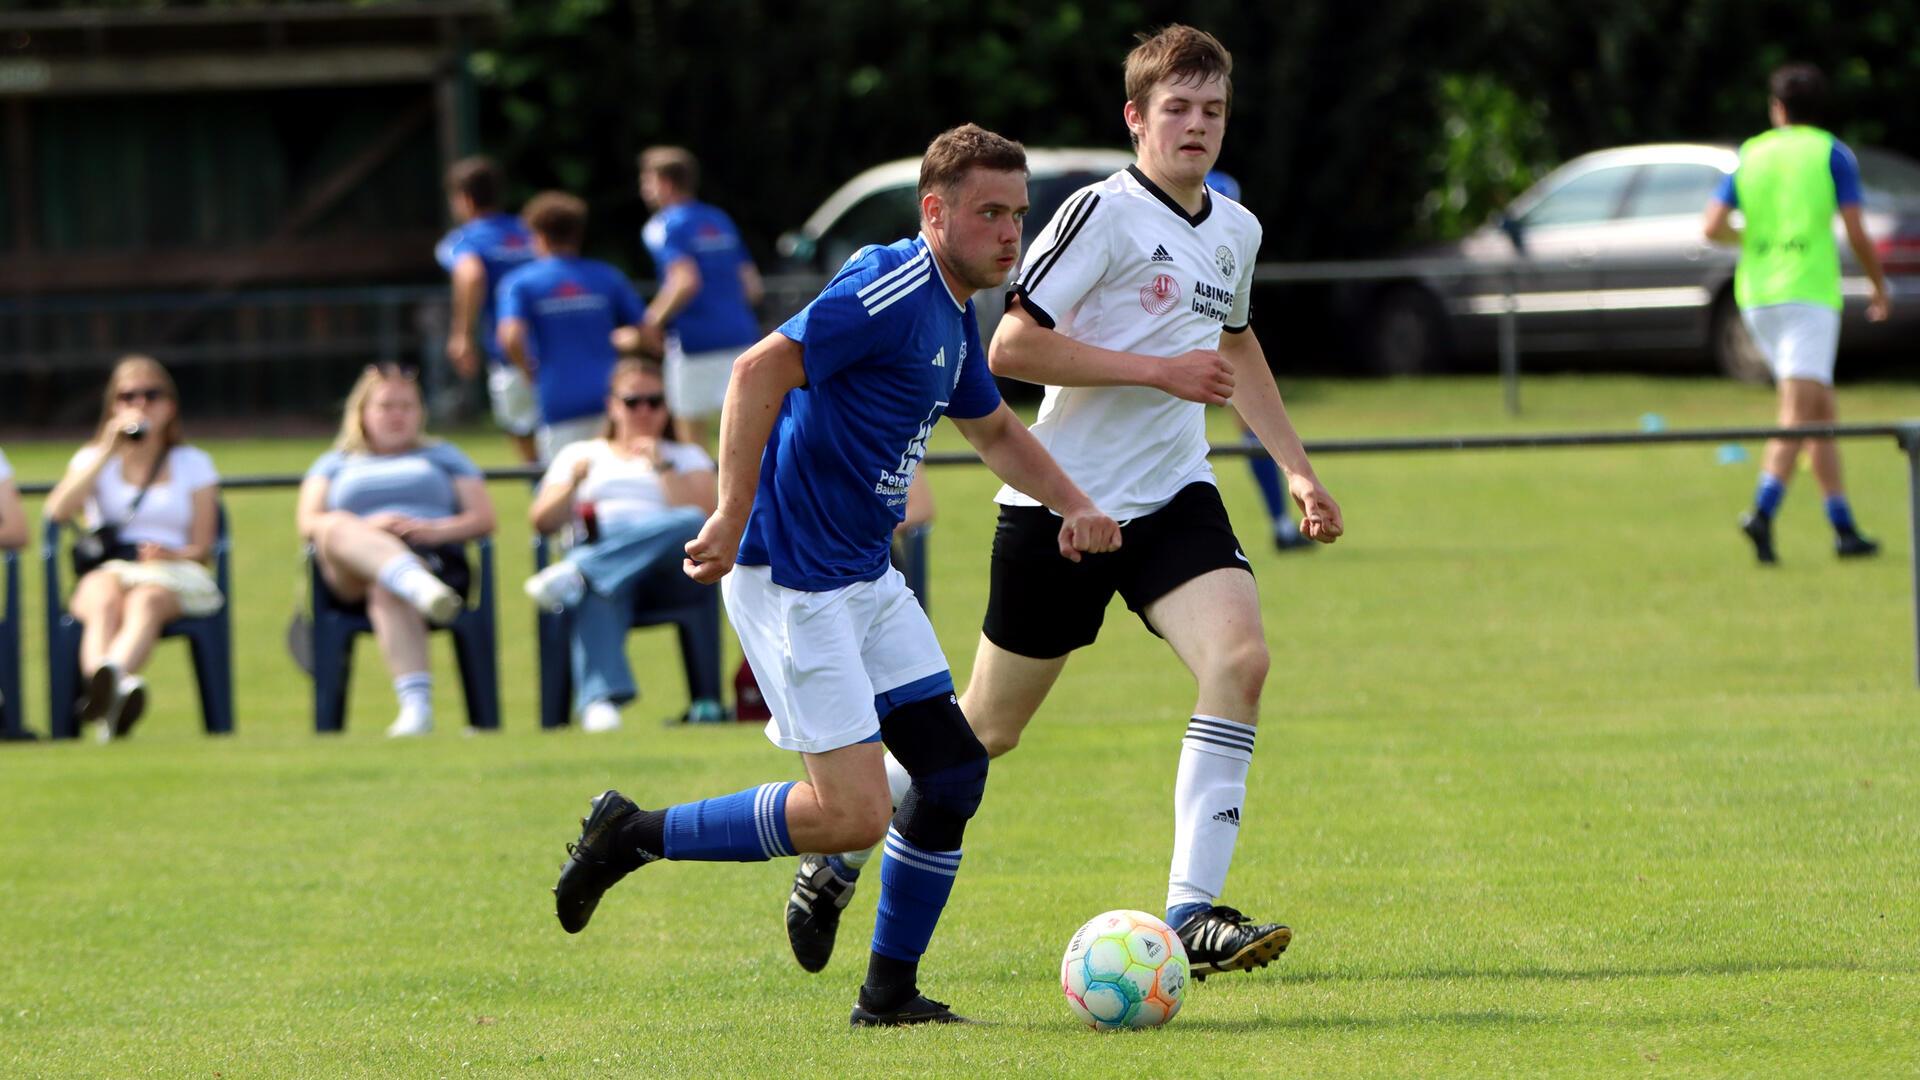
pixel 13 520
pixel 159 501
pixel 641 496
pixel 388 512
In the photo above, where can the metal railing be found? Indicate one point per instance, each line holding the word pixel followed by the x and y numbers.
pixel 1906 435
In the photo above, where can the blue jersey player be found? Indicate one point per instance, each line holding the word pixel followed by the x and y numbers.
pixel 487 243
pixel 825 424
pixel 702 318
pixel 560 316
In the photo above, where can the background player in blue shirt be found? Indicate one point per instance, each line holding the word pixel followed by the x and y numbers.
pixel 558 319
pixel 702 319
pixel 824 428
pixel 486 244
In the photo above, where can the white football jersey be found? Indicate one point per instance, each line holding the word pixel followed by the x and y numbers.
pixel 1123 266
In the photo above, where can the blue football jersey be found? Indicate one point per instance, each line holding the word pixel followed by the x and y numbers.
pixel 718 316
pixel 503 243
pixel 571 306
pixel 888 351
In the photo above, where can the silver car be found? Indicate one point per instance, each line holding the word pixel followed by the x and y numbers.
pixel 1605 255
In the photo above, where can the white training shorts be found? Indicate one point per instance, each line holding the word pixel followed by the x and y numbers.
pixel 550 439
pixel 512 397
pixel 821 657
pixel 1800 341
pixel 697 382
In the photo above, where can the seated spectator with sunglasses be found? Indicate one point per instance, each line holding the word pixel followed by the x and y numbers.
pixel 151 506
pixel 388 512
pixel 641 497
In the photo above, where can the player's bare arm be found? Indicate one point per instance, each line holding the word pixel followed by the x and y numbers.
pixel 469 295
pixel 1717 226
pixel 677 290
pixel 1258 402
pixel 1881 302
pixel 513 342
pixel 762 378
pixel 1015 456
pixel 1025 350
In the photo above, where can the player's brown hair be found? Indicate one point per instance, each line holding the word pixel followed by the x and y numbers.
pixel 478 178
pixel 1800 89
pixel 559 218
pixel 957 151
pixel 674 164
pixel 1180 53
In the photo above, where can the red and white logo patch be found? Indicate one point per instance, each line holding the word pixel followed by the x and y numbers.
pixel 1160 295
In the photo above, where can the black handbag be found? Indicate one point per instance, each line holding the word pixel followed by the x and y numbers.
pixel 102 543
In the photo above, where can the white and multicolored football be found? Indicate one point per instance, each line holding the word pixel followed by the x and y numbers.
pixel 1124 969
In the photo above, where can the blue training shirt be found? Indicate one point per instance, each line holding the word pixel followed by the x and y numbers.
pixel 1841 163
pixel 571 306
pixel 503 243
pixel 887 351
pixel 718 316
pixel 416 482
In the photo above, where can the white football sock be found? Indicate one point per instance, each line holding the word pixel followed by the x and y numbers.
pixel 1208 793
pixel 406 577
pixel 415 691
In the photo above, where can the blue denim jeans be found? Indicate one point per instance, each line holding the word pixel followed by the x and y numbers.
pixel 626 565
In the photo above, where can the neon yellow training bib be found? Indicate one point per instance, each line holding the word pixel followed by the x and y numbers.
pixel 1785 188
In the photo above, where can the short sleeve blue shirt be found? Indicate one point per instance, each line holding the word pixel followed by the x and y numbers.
pixel 888 351
pixel 718 316
pixel 503 244
pixel 571 306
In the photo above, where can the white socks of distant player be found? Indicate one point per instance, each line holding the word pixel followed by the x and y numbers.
pixel 897 783
pixel 1208 793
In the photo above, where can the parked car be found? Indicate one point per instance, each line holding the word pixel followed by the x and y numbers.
pixel 882 205
pixel 1605 255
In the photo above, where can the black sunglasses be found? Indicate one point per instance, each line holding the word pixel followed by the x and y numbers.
pixel 148 394
pixel 651 401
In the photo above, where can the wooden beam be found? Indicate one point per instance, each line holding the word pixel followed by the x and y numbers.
pixel 68 76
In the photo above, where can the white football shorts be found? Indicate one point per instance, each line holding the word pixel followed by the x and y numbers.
pixel 512 399
pixel 1800 341
pixel 821 657
pixel 697 382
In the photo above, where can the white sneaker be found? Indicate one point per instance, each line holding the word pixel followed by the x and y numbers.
pixel 410 724
pixel 558 587
pixel 602 715
pixel 440 604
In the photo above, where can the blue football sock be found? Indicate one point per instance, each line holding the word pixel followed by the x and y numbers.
pixel 914 886
pixel 747 826
pixel 1766 497
pixel 1267 475
pixel 1840 513
pixel 1176 916
pixel 840 866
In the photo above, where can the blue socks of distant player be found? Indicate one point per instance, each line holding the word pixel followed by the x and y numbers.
pixel 1766 497
pixel 1840 514
pixel 1267 475
pixel 914 886
pixel 1209 791
pixel 747 826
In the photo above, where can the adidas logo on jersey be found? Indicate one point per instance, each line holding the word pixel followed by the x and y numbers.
pixel 1160 254
pixel 1231 816
pixel 940 358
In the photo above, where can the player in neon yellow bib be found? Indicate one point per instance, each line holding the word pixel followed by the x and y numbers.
pixel 1789 184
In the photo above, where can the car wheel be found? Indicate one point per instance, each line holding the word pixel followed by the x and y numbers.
pixel 1406 332
pixel 1734 350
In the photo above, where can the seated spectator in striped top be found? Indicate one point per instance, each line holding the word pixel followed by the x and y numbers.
pixel 151 504
pixel 648 496
pixel 388 512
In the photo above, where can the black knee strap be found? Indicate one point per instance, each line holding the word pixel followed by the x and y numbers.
pixel 931 740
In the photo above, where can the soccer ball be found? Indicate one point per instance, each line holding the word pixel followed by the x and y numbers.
pixel 1124 969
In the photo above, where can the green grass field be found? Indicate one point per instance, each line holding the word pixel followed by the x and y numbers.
pixel 1554 781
